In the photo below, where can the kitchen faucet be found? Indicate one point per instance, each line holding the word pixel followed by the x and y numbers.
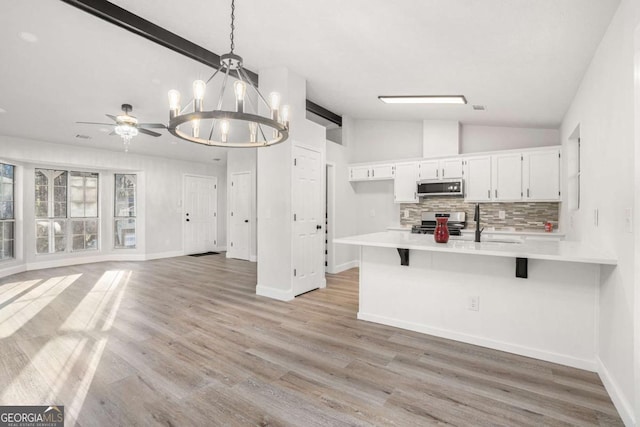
pixel 476 218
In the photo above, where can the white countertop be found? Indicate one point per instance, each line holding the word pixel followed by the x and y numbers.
pixel 537 249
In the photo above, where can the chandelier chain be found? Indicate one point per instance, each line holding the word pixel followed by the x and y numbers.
pixel 233 27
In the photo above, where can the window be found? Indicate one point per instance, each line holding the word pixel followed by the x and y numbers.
pixel 125 211
pixel 7 211
pixel 66 208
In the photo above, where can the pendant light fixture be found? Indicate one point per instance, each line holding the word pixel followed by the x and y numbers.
pixel 244 127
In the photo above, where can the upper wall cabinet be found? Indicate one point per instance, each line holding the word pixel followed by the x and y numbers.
pixel 477 179
pixel 440 169
pixel 405 188
pixel 371 172
pixel 506 177
pixel 541 175
pixel 511 177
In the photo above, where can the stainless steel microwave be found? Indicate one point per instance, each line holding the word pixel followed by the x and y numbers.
pixel 448 187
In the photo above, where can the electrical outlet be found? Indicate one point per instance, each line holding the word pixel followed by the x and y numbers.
pixel 474 303
pixel 501 215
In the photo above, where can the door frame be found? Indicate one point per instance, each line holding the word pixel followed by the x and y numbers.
pixel 330 212
pixel 182 207
pixel 252 256
pixel 322 204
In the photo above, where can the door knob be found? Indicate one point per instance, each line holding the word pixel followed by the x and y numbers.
pixel 187 219
pixel 246 220
pixel 187 214
pixel 318 227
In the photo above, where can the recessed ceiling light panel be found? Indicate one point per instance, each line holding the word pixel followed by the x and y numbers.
pixel 28 37
pixel 424 99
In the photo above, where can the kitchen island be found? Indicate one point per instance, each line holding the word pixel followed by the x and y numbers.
pixel 469 292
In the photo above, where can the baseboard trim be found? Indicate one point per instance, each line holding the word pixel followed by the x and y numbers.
pixel 622 404
pixel 562 359
pixel 345 266
pixel 14 269
pixel 274 293
pixel 160 255
pixel 66 262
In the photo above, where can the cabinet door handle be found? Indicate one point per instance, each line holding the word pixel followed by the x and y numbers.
pixel 527 192
pixel 443 172
pixel 437 172
pixel 368 172
pixel 488 194
pixel 373 173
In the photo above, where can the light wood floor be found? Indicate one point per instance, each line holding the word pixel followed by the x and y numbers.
pixel 185 341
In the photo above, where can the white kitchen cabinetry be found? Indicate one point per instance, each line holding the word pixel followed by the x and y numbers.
pixel 541 175
pixel 507 177
pixel 371 172
pixel 405 188
pixel 477 179
pixel 441 169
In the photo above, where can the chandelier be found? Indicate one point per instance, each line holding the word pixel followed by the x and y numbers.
pixel 222 128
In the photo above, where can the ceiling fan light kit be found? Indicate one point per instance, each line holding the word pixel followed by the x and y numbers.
pixel 423 99
pixel 188 122
pixel 127 126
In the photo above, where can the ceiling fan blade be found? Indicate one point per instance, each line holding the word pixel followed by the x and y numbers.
pixel 148 132
pixel 112 117
pixel 94 123
pixel 152 125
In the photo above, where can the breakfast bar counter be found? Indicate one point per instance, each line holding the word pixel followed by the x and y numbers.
pixel 468 291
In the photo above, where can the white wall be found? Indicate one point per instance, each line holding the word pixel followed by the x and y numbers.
pixel 604 109
pixel 245 160
pixel 345 256
pixel 374 140
pixel 159 196
pixel 476 138
pixel 274 190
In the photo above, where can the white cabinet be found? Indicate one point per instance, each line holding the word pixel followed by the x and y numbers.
pixel 507 177
pixel 405 187
pixel 477 179
pixel 371 172
pixel 440 169
pixel 383 171
pixel 541 175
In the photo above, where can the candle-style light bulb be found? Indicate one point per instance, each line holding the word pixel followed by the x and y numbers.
pixel 274 102
pixel 253 131
pixel 224 130
pixel 195 128
pixel 174 103
pixel 285 115
pixel 240 89
pixel 199 88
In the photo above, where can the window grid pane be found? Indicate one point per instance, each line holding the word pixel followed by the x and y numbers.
pixel 125 206
pixel 7 211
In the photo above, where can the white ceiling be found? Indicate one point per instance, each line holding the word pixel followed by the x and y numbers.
pixel 521 59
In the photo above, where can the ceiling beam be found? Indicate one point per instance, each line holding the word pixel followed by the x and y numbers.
pixel 123 18
pixel 319 110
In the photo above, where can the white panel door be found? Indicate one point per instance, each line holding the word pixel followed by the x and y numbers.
pixel 451 168
pixel 507 177
pixel 477 182
pixel 240 216
pixel 405 187
pixel 429 169
pixel 308 233
pixel 541 175
pixel 200 214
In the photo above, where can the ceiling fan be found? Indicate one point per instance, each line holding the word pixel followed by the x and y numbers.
pixel 127 126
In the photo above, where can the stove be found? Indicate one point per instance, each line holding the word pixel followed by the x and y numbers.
pixel 457 221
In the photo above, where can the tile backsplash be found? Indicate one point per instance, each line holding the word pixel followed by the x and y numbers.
pixel 523 216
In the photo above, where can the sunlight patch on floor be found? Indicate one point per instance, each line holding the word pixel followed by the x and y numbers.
pixel 17 313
